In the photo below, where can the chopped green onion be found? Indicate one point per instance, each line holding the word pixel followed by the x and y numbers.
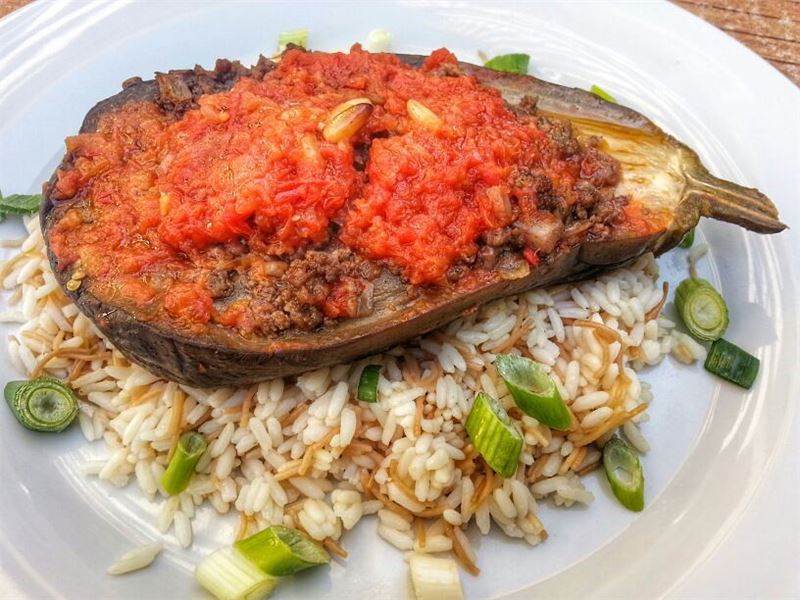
pixel 533 390
pixel 298 37
pixel 20 204
pixel 228 575
pixel 42 404
pixel 434 578
pixel 181 467
pixel 509 63
pixel 368 384
pixel 687 240
pixel 494 435
pixel 702 309
pixel 601 93
pixel 624 473
pixel 732 363
pixel 281 551
pixel 250 568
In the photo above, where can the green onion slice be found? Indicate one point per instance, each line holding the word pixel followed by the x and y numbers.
pixel 298 37
pixel 494 435
pixel 510 63
pixel 20 204
pixel 624 473
pixel 368 384
pixel 280 551
pixel 601 93
pixel 228 575
pixel 42 404
pixel 732 363
pixel 687 240
pixel 181 467
pixel 533 390
pixel 434 578
pixel 702 309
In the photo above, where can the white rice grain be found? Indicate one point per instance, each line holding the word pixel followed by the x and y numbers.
pixel 596 417
pixel 183 529
pixel 135 559
pixel 590 401
pixel 635 437
pixel 307 487
pixel 398 539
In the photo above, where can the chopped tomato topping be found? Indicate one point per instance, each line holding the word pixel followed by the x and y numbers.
pixel 250 167
pixel 531 256
pixel 188 302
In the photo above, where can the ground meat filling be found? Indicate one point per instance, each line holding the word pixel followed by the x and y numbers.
pixel 230 200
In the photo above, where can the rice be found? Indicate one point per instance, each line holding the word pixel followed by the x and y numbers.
pixel 135 559
pixel 306 454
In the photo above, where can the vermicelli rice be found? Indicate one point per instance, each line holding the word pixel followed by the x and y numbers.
pixel 304 453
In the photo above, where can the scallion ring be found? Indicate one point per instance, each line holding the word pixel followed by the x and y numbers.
pixel 533 390
pixel 298 37
pixel 368 384
pixel 493 434
pixel 624 473
pixel 732 363
pixel 702 309
pixel 228 575
pixel 42 404
pixel 250 568
pixel 281 551
pixel 181 466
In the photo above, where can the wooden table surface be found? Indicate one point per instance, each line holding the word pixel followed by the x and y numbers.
pixel 771 28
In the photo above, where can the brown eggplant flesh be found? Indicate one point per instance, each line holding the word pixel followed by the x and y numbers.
pixel 658 171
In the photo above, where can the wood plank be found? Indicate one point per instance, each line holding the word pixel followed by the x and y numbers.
pixel 791 71
pixel 771 9
pixel 784 51
pixel 785 29
pixel 7 6
pixel 772 29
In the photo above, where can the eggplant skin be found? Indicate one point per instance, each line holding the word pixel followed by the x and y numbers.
pixel 225 358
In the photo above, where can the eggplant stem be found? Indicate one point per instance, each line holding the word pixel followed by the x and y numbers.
pixel 731 202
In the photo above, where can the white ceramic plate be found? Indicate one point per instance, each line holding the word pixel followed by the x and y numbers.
pixel 718 453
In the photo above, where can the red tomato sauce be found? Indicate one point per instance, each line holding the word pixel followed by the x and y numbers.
pixel 252 165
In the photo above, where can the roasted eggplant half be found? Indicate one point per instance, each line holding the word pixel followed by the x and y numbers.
pixel 655 192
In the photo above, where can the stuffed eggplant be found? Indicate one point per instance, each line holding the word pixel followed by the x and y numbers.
pixel 225 227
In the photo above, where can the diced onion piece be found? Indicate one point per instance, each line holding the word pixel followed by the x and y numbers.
pixel 434 578
pixel 423 115
pixel 181 467
pixel 228 575
pixel 732 363
pixel 687 240
pixel 280 551
pixel 44 404
pixel 298 37
pixel 494 435
pixel 624 473
pixel 533 390
pixel 510 63
pixel 368 384
pixel 378 40
pixel 702 309
pixel 601 93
